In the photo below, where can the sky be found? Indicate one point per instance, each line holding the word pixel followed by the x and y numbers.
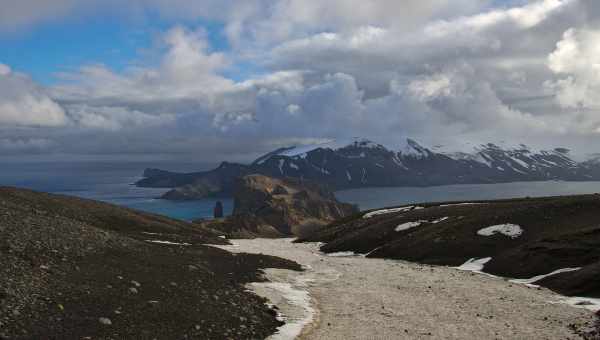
pixel 213 80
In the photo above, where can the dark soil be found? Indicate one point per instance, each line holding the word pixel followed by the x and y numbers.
pixel 559 232
pixel 79 269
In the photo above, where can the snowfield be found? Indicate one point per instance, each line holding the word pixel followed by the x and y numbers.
pixel 510 230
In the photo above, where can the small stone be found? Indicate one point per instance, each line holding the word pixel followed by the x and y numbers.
pixel 135 283
pixel 120 277
pixel 16 313
pixel 197 327
pixel 174 284
pixel 133 290
pixel 105 321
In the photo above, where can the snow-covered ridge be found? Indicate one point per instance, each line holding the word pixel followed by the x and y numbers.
pixel 518 158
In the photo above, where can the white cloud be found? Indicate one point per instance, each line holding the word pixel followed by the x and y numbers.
pixel 576 61
pixel 339 68
pixel 23 103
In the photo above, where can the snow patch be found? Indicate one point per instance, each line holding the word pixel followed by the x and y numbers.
pixel 510 230
pixel 390 211
pixel 169 243
pixel 281 162
pixel 348 176
pixel 409 225
pixel 592 304
pixel 439 220
pixel 530 281
pixel 475 265
pixel 297 298
pixel 294 166
pixel 342 254
pixel 458 204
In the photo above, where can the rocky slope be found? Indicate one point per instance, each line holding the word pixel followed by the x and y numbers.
pixel 77 269
pixel 271 207
pixel 362 163
pixel 519 238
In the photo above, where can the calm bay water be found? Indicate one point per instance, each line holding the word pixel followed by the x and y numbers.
pixel 112 182
pixel 371 198
pixel 109 182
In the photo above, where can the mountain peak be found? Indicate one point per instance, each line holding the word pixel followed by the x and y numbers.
pixel 415 150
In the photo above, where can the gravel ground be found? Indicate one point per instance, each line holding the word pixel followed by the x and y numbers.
pixel 359 298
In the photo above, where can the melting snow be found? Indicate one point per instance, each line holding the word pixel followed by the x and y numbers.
pixel 455 204
pixel 510 230
pixel 592 304
pixel 281 162
pixel 342 254
pixel 168 242
pixel 475 265
pixel 440 220
pixel 390 211
pixel 295 296
pixel 409 225
pixel 539 277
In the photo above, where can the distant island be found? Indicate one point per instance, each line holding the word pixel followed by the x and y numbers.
pixel 362 163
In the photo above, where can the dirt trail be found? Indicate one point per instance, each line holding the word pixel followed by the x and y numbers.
pixel 358 298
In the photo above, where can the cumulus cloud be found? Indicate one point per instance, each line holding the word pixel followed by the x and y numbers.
pixel 437 70
pixel 23 103
pixel 576 61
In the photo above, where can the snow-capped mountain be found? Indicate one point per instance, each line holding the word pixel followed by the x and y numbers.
pixel 363 163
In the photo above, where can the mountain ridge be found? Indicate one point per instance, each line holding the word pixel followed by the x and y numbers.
pixel 364 163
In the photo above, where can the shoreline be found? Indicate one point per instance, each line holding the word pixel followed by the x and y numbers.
pixel 334 315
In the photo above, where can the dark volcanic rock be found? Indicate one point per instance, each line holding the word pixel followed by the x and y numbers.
pixel 362 163
pixel 557 233
pixel 76 269
pixel 277 207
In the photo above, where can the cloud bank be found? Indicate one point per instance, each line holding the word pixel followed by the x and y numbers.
pixel 443 72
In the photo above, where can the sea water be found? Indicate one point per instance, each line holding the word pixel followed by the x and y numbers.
pixel 372 198
pixel 110 182
pixel 113 182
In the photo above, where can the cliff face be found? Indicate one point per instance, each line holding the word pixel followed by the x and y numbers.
pixel 274 207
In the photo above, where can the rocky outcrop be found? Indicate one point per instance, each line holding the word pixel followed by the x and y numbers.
pixel 362 163
pixel 271 207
